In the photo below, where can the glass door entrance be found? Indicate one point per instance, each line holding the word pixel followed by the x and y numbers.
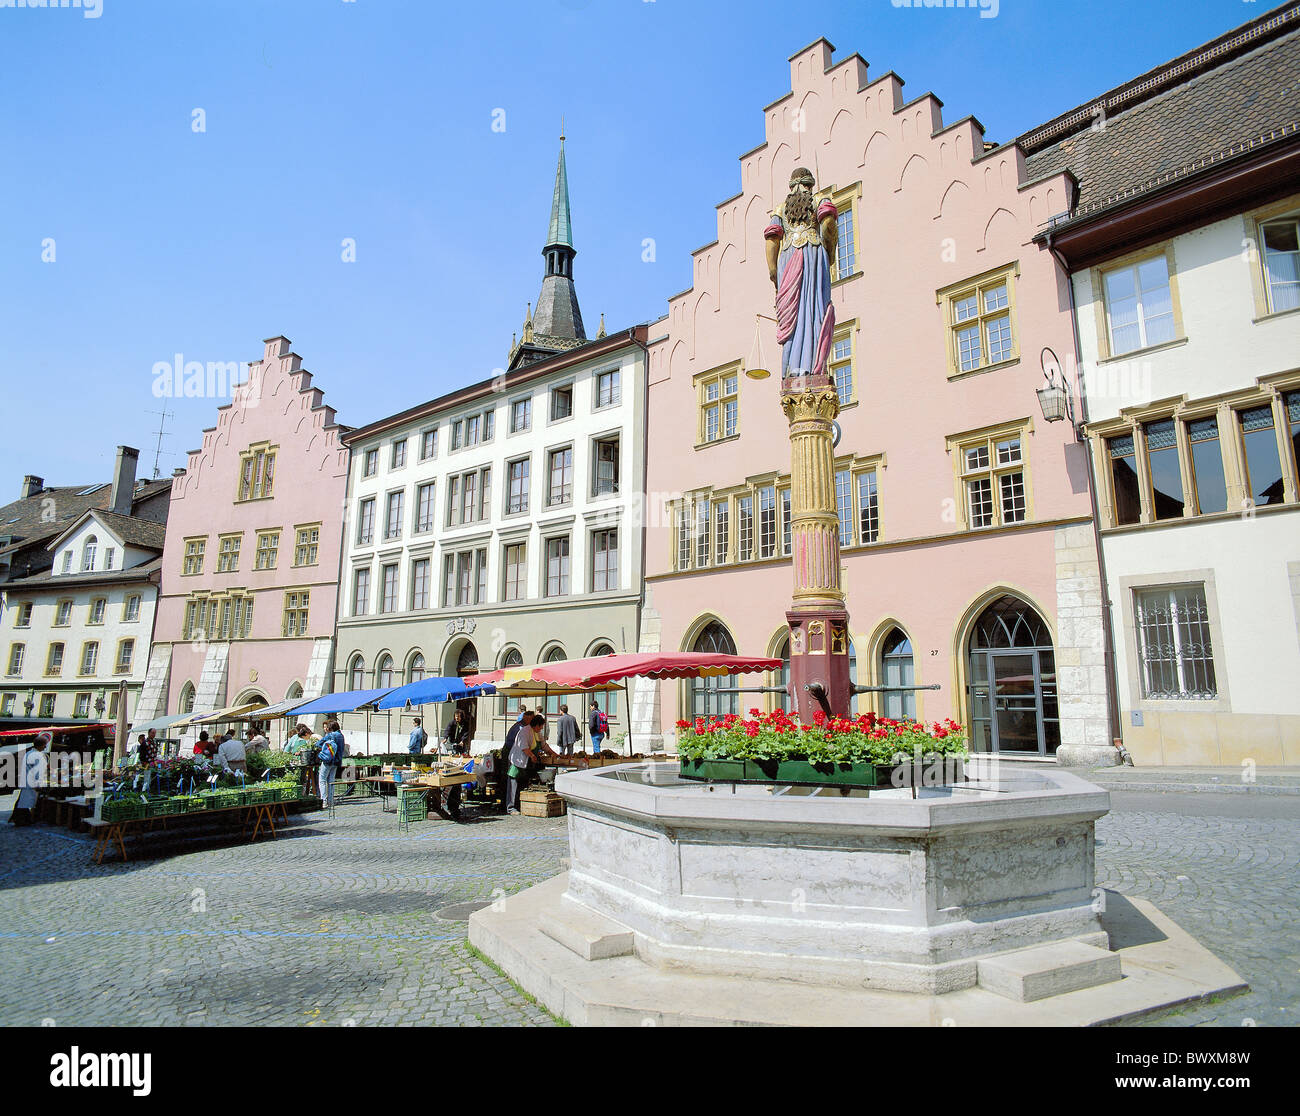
pixel 1013 700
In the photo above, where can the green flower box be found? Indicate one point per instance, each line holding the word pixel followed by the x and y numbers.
pixel 803 773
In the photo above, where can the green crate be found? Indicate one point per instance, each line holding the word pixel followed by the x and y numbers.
pixel 288 794
pixel 261 796
pixel 160 808
pixel 122 811
pixel 185 804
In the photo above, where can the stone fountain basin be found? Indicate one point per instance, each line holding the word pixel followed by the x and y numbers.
pixel 881 890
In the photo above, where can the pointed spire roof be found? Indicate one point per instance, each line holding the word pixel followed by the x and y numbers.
pixel 561 228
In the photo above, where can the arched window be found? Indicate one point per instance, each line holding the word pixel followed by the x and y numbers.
pixel 609 701
pixel 512 658
pixel 415 672
pixel 782 701
pixel 357 673
pixel 705 700
pixel 896 669
pixel 295 691
pixel 187 698
pixel 384 672
pixel 88 553
pixel 554 655
pixel 467 661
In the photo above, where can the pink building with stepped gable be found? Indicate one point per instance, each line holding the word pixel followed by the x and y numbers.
pixel 968 551
pixel 251 565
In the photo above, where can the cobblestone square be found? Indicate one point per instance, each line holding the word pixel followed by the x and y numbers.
pixel 335 921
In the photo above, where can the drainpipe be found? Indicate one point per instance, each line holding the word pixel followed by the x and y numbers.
pixel 645 476
pixel 1107 628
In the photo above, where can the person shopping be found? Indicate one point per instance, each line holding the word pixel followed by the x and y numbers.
pixel 333 749
pixel 522 757
pixel 36 765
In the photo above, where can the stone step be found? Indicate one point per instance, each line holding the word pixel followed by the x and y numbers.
pixel 1048 970
pixel 592 936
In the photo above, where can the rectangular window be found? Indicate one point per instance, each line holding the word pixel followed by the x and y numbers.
pixel 16 652
pixel 480 576
pixel 257 474
pixel 306 549
pixel 1209 487
pixel 47 705
pixel 719 406
pixel 125 655
pixel 994 481
pixel 473 429
pixel 109 554
pixel 97 608
pixel 561 402
pixel 366 522
pixel 429 444
pixel 604 560
pixel 1282 264
pixel 424 508
pixel 1163 468
pixel 1263 465
pixel 360 592
pixel 420 583
pixel 228 553
pixel 457 434
pixel 517 495
pixel 370 463
pixel 296 606
pixel 844 505
pixel 744 528
pixel 703 533
pixel 448 580
pixel 845 245
pixel 489 425
pixel 388 599
pixel 787 522
pixel 468 497
pixel 841 367
pixel 767 521
pixel 193 563
pixel 605 482
pixel 82 706
pixel 23 617
pixel 868 508
pixel 1124 479
pixel 1174 646
pixel 131 609
pixel 67 561
pixel 268 546
pixel 453 501
pixel 721 530
pixel 559 488
pixel 608 391
pixel 89 658
pixel 393 517
pixel 981 331
pixel 1291 405
pixel 521 415
pixel 684 535
pixel 464 575
pixel 399 454
pixel 63 614
pixel 516 572
pixel 1139 305
pixel 54 659
pixel 557 567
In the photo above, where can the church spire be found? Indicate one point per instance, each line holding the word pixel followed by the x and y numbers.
pixel 557 313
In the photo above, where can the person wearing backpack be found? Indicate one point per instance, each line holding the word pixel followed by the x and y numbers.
pixel 597 726
pixel 418 738
pixel 333 748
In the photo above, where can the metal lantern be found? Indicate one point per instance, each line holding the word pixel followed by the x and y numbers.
pixel 1053 401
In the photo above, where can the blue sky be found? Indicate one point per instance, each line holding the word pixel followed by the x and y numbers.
pixel 372 120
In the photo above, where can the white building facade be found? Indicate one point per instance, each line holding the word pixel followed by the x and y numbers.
pixel 1183 246
pixel 496 526
pixel 79 630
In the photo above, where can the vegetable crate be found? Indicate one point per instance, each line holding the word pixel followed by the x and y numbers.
pixel 541 804
pixel 261 796
pixel 160 808
pixel 115 811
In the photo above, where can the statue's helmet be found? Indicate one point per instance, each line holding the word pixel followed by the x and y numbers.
pixel 801 177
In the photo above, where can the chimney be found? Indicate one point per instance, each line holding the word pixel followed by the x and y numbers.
pixel 32 486
pixel 124 480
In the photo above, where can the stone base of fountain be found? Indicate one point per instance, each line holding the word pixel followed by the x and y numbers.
pixel 985 889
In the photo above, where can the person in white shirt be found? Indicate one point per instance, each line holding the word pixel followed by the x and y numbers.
pixel 232 755
pixel 35 767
